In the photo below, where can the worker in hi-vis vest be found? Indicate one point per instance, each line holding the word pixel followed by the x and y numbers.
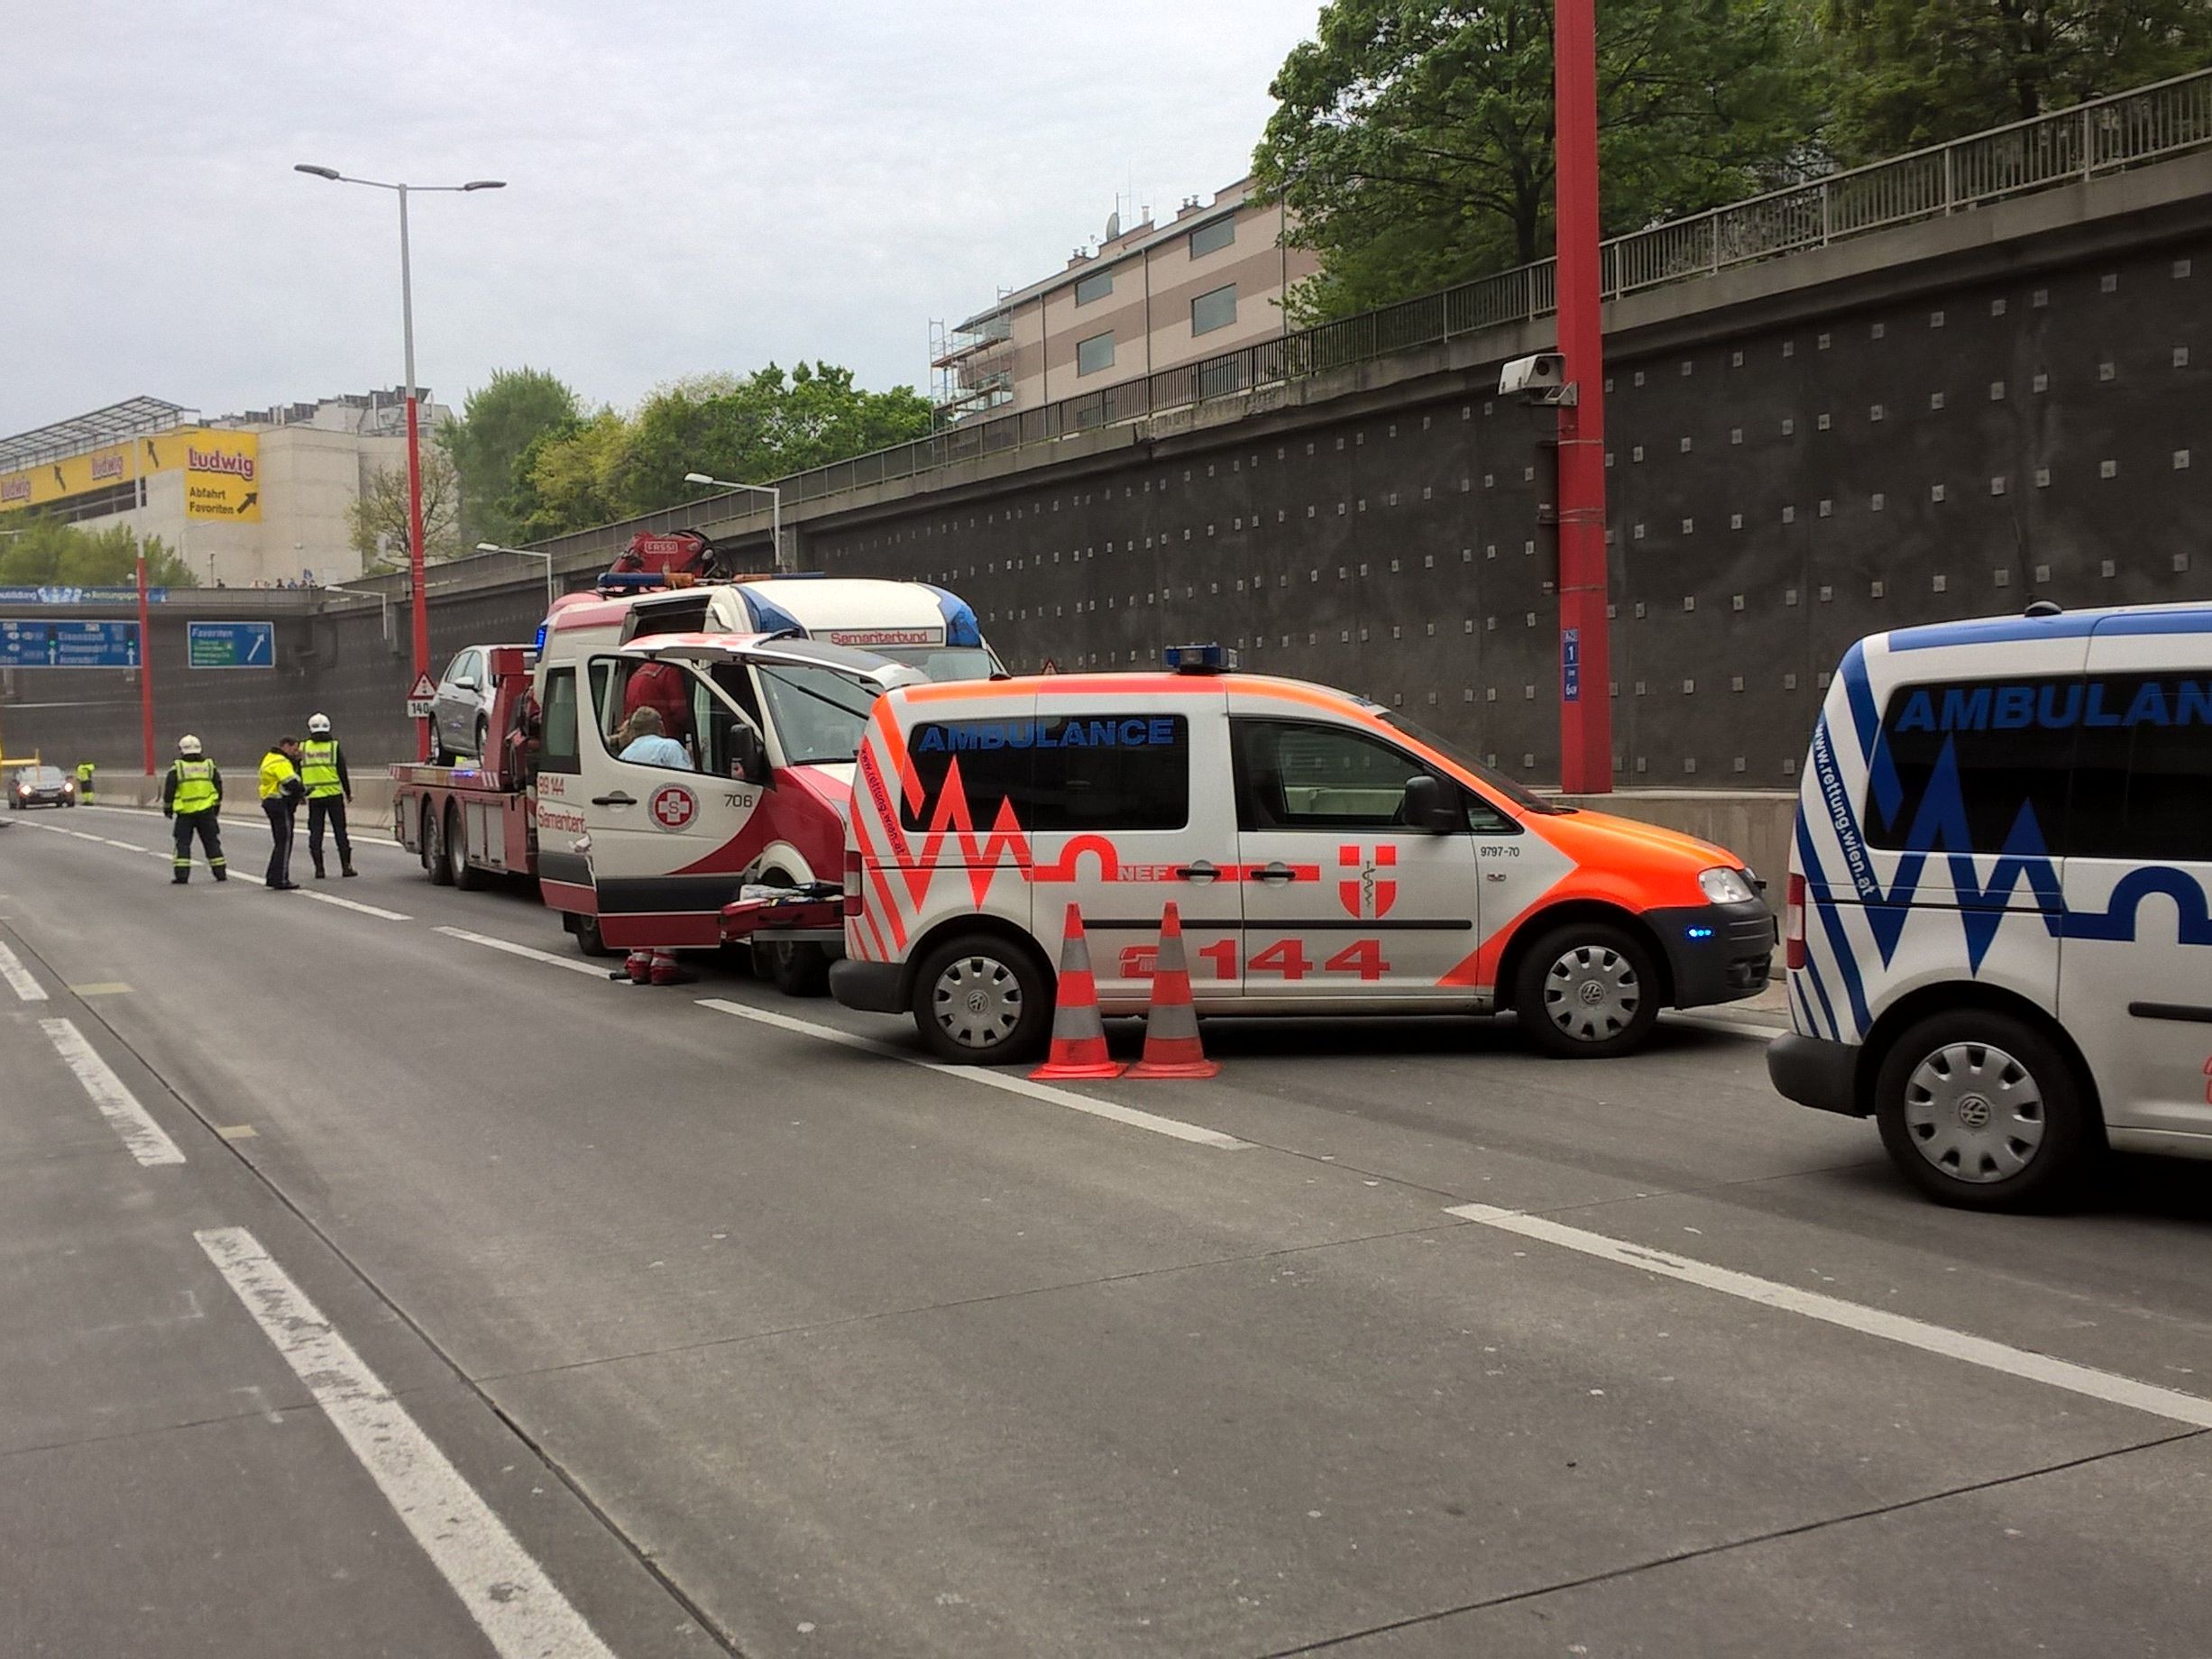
pixel 322 768
pixel 192 795
pixel 83 782
pixel 280 794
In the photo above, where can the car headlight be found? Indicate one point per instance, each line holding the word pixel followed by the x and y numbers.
pixel 1726 886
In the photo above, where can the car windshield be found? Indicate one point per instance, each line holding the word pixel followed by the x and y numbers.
pixel 942 662
pixel 1519 795
pixel 818 713
pixel 43 777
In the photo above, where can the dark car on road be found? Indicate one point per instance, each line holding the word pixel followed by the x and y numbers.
pixel 40 786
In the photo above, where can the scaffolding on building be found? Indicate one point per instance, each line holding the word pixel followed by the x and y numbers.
pixel 972 366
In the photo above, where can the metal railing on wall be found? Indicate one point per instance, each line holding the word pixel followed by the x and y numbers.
pixel 2128 129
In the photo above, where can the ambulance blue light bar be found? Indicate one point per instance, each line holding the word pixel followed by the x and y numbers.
pixel 1201 659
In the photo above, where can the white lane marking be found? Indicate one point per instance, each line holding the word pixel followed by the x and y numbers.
pixel 1045 1092
pixel 97 841
pixel 377 911
pixel 2108 1385
pixel 117 1104
pixel 506 1591
pixel 18 976
pixel 513 949
pixel 356 905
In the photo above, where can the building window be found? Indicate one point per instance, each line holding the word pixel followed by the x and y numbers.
pixel 1094 353
pixel 1096 285
pixel 1214 310
pixel 1211 238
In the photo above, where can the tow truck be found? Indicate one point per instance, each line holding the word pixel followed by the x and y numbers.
pixel 742 848
pixel 467 822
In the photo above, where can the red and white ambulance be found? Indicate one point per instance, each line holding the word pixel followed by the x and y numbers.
pixel 751 785
pixel 1325 859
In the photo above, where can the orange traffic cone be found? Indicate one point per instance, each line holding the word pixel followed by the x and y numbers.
pixel 1078 1035
pixel 1172 1048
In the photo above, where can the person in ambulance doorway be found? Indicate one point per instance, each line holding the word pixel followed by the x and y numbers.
pixel 281 792
pixel 322 769
pixel 83 782
pixel 192 796
pixel 664 688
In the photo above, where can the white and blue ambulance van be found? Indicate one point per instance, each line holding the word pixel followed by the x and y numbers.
pixel 1998 933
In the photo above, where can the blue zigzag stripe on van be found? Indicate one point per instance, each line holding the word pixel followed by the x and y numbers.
pixel 2118 920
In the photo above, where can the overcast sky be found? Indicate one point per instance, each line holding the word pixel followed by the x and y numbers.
pixel 692 187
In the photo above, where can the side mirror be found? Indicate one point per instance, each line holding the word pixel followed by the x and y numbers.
pixel 1431 809
pixel 466 682
pixel 749 756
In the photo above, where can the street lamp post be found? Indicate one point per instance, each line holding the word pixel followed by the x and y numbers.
pixel 526 552
pixel 414 441
pixel 775 507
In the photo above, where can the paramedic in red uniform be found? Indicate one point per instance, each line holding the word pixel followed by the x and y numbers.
pixel 666 689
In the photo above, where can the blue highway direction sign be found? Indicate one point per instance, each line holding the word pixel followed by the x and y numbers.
pixel 67 644
pixel 230 645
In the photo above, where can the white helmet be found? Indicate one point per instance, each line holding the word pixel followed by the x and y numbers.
pixel 187 744
pixel 318 725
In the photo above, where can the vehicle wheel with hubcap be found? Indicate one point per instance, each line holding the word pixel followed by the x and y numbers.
pixel 463 875
pixel 982 999
pixel 1586 990
pixel 1981 1110
pixel 434 849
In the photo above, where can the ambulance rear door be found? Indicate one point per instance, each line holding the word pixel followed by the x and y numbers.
pixel 669 844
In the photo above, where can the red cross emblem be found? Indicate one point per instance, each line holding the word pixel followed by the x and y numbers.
pixel 673 807
pixel 1359 889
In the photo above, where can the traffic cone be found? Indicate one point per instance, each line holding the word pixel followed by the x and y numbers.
pixel 1171 1047
pixel 1078 1034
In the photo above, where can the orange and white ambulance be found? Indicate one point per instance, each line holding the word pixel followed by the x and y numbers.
pixel 1325 858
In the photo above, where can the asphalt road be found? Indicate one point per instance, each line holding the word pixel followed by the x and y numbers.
pixel 371 1288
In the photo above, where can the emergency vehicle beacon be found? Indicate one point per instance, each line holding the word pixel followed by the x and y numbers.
pixel 1326 860
pixel 1997 934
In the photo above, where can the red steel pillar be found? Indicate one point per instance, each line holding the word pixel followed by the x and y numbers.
pixel 145 670
pixel 1585 659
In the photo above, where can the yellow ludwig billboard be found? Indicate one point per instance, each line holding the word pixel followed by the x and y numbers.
pixel 221 475
pixel 55 481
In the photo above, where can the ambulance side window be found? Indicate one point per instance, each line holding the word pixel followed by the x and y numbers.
pixel 1979 766
pixel 2141 786
pixel 560 753
pixel 1293 775
pixel 1054 773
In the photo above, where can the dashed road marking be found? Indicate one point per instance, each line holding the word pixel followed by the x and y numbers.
pixel 2106 1385
pixel 117 1104
pixel 19 978
pixel 513 949
pixel 110 988
pixel 239 1131
pixel 1012 1085
pixel 378 911
pixel 517 1607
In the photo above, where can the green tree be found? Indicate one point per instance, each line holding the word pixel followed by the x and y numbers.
pixel 50 553
pixel 1412 139
pixel 377 518
pixel 749 428
pixel 501 419
pixel 764 425
pixel 570 477
pixel 1913 72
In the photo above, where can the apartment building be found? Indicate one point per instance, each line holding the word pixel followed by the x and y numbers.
pixel 1149 297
